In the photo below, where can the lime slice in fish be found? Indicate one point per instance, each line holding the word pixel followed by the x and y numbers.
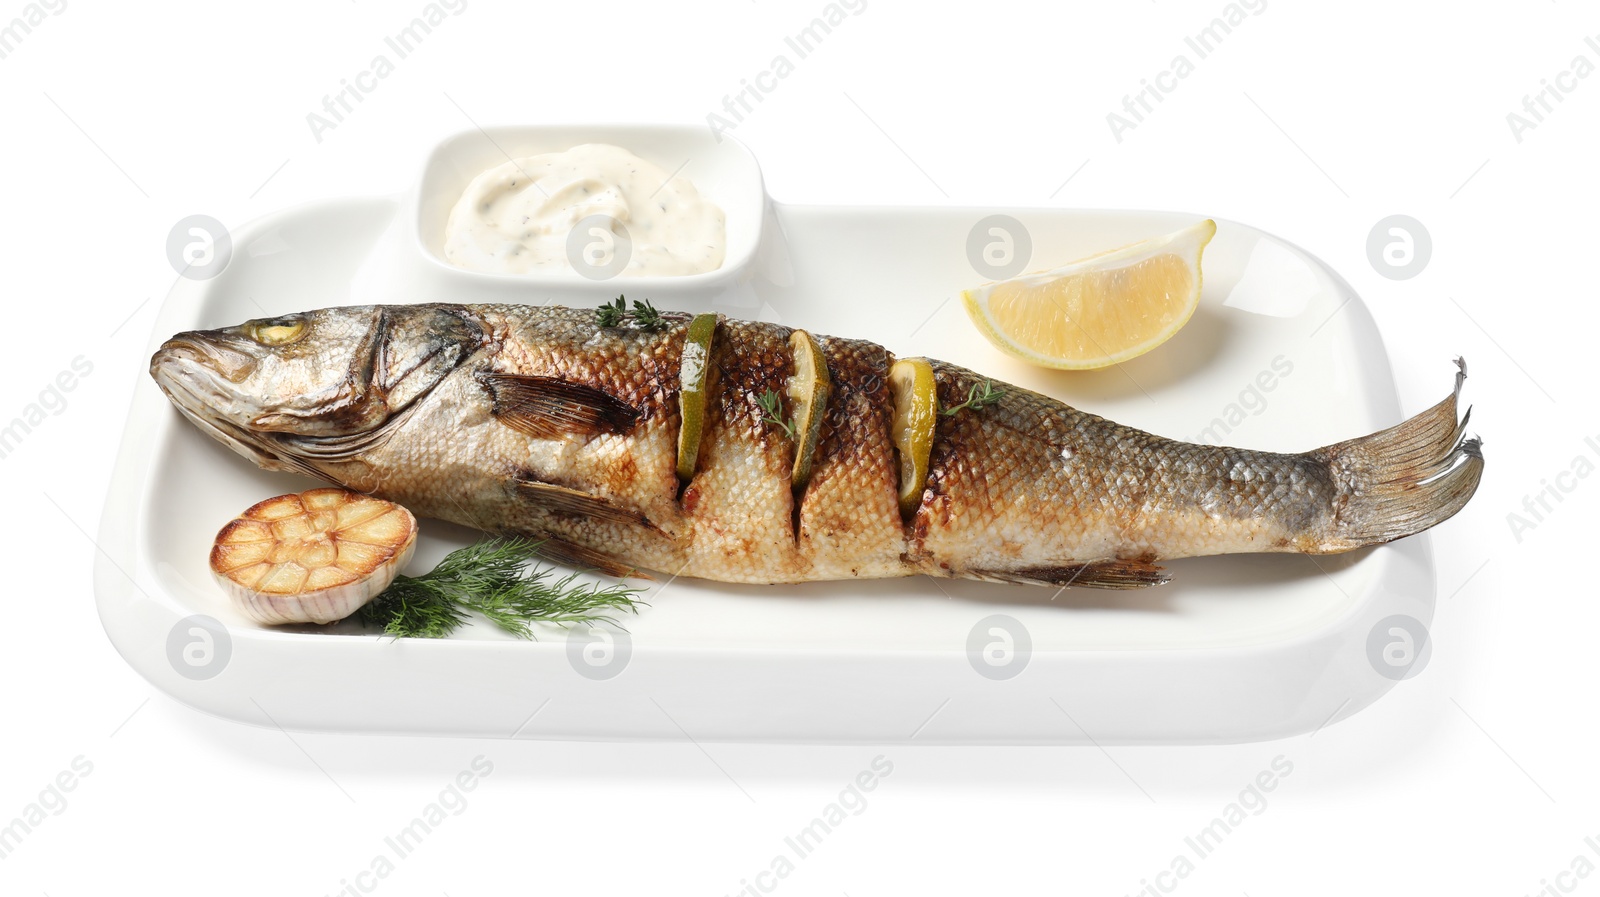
pixel 809 390
pixel 916 406
pixel 693 370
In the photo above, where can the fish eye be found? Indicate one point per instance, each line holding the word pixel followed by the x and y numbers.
pixel 277 331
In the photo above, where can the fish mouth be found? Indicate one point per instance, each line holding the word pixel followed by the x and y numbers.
pixel 192 373
pixel 210 351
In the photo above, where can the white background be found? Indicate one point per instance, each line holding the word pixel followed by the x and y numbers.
pixel 1476 777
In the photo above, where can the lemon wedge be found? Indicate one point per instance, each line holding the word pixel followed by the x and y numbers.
pixel 1099 311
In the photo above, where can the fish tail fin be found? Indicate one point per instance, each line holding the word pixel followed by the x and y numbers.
pixel 1405 479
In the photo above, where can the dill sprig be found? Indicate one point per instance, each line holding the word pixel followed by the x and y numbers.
pixel 772 412
pixel 644 315
pixel 977 398
pixel 493 578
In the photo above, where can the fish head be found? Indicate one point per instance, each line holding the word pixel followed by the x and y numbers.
pixel 288 392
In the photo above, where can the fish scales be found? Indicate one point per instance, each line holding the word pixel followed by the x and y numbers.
pixel 540 422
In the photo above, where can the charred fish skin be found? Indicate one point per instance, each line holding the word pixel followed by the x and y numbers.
pixel 850 522
pixel 1036 491
pixel 540 422
pixel 525 438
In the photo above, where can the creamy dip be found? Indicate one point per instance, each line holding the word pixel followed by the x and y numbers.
pixel 517 218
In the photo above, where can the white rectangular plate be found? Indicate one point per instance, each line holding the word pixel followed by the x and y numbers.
pixel 1280 356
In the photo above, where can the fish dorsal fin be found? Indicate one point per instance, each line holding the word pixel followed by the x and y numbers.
pixel 1104 574
pixel 577 503
pixel 549 407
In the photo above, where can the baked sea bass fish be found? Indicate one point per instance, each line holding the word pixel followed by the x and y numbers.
pixel 749 452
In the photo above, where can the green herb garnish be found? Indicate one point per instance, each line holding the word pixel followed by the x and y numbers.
pixel 977 399
pixel 611 315
pixel 493 578
pixel 772 412
pixel 644 315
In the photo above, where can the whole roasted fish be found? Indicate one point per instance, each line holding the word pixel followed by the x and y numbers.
pixel 541 422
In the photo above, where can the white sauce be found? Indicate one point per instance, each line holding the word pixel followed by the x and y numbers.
pixel 516 218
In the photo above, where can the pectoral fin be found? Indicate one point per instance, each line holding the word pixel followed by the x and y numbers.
pixel 573 555
pixel 577 503
pixel 549 407
pixel 1105 574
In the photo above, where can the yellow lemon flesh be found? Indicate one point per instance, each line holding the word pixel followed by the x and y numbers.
pixel 1100 311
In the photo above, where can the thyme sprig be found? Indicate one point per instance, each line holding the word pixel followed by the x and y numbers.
pixel 644 315
pixel 495 579
pixel 772 412
pixel 611 315
pixel 977 398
